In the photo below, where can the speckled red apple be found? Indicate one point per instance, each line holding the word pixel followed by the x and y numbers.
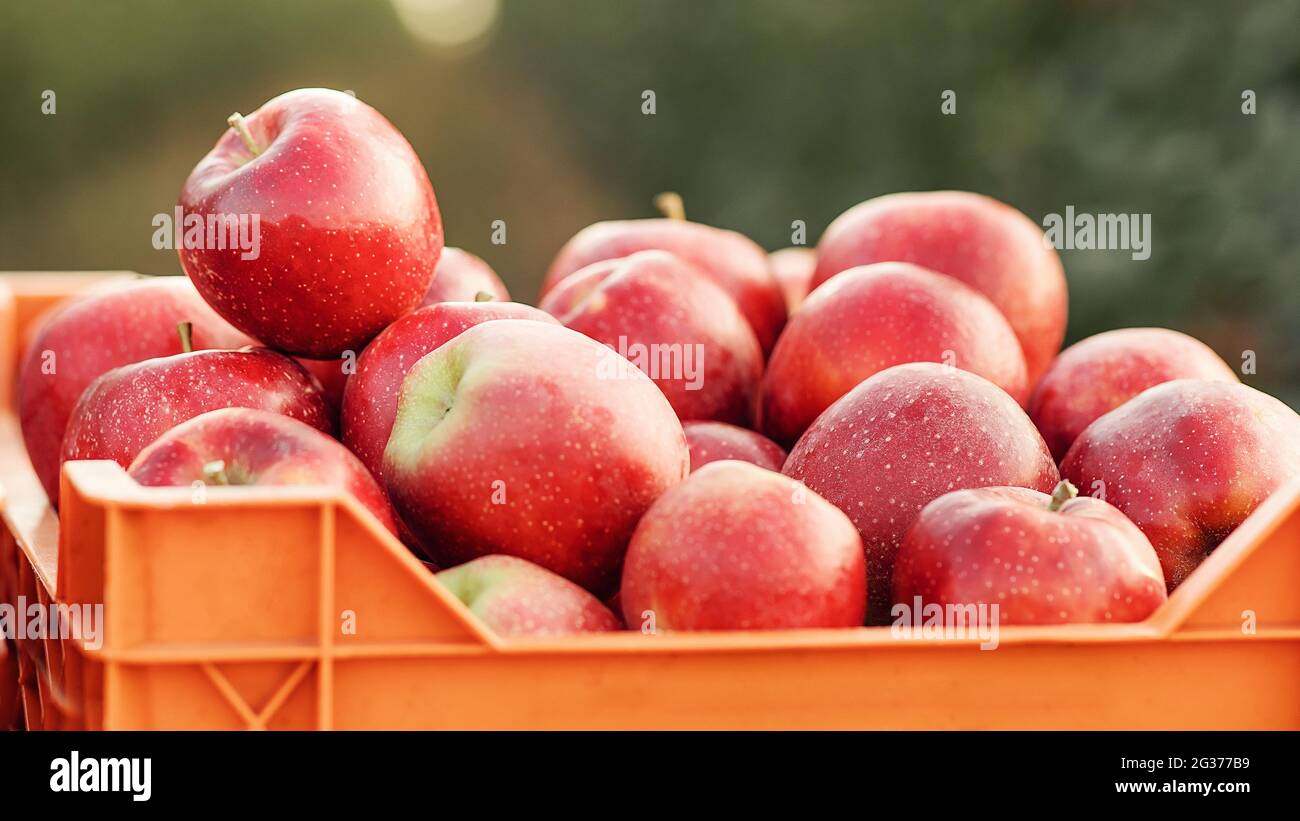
pixel 731 260
pixel 105 328
pixel 1100 373
pixel 349 231
pixel 1187 461
pixel 683 331
pixel 906 436
pixel 508 440
pixel 243 446
pixel 716 441
pixel 370 397
pixel 1040 559
pixel 737 547
pixel 332 374
pixel 867 319
pixel 793 268
pixel 128 408
pixel 514 597
pixel 464 277
pixel 985 243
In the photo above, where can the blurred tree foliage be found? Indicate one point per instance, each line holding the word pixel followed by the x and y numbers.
pixel 767 111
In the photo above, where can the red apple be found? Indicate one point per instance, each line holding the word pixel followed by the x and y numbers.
pixel 128 408
pixel 793 268
pixel 463 277
pixel 370 398
pixel 674 324
pixel 715 441
pixel 1187 461
pixel 242 446
pixel 348 229
pixel 515 597
pixel 1100 373
pixel 332 374
pixel 985 243
pixel 1040 559
pixel 107 327
pixel 867 319
pixel 519 437
pixel 905 437
pixel 731 260
pixel 737 547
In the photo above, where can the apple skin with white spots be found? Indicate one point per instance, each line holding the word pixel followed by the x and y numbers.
pixel 515 597
pixel 867 319
pixel 463 277
pixel 985 243
pixel 1098 374
pixel 521 437
pixel 350 232
pixel 127 409
pixel 715 441
pixel 738 547
pixel 370 396
pixel 906 436
pixel 1187 461
pixel 1082 562
pixel 107 327
pixel 652 299
pixel 244 446
pixel 734 263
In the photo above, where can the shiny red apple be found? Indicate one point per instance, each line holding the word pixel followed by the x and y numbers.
pixel 242 446
pixel 905 437
pixel 1100 373
pixel 515 597
pixel 344 232
pixel 108 326
pixel 716 441
pixel 674 324
pixel 370 397
pixel 1040 559
pixel 866 319
pixel 985 243
pixel 463 277
pixel 731 260
pixel 128 408
pixel 1187 461
pixel 516 437
pixel 737 547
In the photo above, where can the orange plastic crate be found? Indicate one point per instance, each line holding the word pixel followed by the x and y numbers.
pixel 230 614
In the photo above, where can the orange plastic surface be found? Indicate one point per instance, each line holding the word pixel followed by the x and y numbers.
pixel 291 608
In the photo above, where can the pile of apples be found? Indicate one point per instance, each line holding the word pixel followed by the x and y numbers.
pixel 617 457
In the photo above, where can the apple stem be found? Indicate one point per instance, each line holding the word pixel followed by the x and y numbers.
pixel 670 204
pixel 483 296
pixel 186 332
pixel 214 473
pixel 236 121
pixel 1064 492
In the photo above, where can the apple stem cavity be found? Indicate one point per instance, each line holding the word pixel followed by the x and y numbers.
pixel 483 296
pixel 236 121
pixel 670 204
pixel 1064 492
pixel 214 473
pixel 186 332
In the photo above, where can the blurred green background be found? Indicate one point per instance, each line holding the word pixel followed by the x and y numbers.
pixel 768 111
